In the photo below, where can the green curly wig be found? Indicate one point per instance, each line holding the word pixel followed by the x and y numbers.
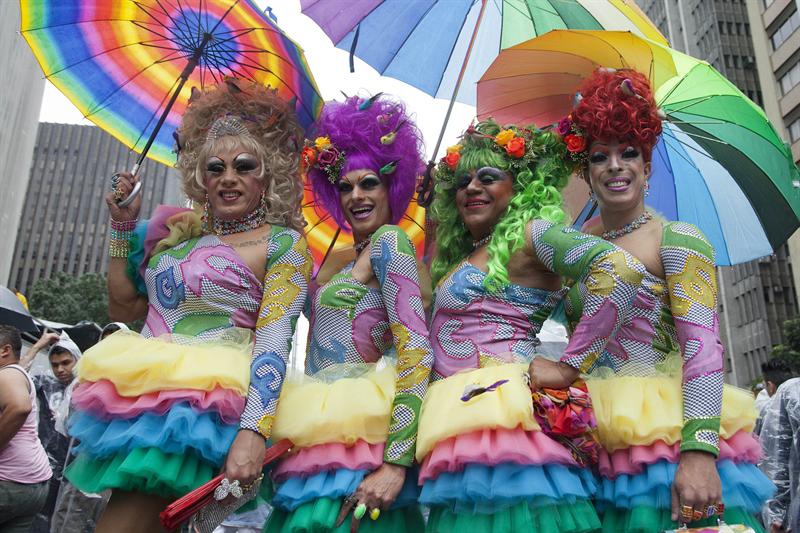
pixel 539 176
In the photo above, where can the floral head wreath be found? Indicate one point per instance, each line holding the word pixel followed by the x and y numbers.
pixel 517 144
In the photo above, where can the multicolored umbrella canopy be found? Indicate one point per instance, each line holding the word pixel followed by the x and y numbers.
pixel 424 42
pixel 719 163
pixel 120 61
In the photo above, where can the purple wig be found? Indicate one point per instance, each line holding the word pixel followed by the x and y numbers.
pixel 357 132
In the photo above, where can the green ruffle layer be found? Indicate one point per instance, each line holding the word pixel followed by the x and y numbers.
pixel 652 520
pixel 147 470
pixel 578 517
pixel 319 516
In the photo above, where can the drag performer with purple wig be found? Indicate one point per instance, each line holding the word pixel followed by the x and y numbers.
pixel 353 416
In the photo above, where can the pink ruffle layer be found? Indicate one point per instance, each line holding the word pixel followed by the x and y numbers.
pixel 491 447
pixel 101 399
pixel 309 461
pixel 743 447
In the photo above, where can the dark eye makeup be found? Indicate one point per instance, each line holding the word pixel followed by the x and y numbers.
pixel 486 175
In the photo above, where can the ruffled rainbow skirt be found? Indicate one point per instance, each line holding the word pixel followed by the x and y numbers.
pixel 157 415
pixel 486 466
pixel 639 423
pixel 339 424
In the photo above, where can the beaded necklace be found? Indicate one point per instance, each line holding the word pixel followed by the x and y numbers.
pixel 630 227
pixel 254 219
pixel 361 245
pixel 480 242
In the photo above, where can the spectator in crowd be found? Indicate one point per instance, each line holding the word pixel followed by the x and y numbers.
pixel 53 393
pixel 775 372
pixel 111 327
pixel 780 438
pixel 24 468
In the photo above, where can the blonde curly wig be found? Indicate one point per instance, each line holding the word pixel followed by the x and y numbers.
pixel 274 136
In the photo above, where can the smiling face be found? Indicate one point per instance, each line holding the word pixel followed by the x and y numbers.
pixel 364 201
pixel 618 175
pixel 482 197
pixel 232 176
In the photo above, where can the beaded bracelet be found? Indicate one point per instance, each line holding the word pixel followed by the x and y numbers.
pixel 121 233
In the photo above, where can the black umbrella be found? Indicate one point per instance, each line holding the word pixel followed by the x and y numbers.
pixel 13 313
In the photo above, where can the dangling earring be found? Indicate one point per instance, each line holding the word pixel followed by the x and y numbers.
pixel 206 218
pixel 593 196
pixel 647 188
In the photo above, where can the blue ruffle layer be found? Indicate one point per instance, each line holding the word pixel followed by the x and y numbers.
pixel 743 485
pixel 334 484
pixel 176 431
pixel 487 489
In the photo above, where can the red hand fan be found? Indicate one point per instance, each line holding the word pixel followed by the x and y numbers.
pixel 184 507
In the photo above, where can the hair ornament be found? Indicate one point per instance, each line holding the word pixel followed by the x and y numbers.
pixel 520 146
pixel 226 125
pixel 576 99
pixel 322 154
pixel 626 86
pixel 389 138
pixel 661 114
pixel 388 168
pixel 177 147
pixel 366 104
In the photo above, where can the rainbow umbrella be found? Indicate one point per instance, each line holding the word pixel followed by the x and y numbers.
pixel 125 64
pixel 719 163
pixel 443 46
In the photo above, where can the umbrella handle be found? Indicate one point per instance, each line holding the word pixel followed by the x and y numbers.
pixel 137 189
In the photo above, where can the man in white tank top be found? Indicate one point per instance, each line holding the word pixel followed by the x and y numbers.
pixel 24 467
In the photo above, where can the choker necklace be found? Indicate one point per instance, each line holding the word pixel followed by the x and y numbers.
pixel 480 242
pixel 361 245
pixel 254 219
pixel 630 227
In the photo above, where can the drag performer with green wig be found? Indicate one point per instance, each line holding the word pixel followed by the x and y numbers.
pixel 486 463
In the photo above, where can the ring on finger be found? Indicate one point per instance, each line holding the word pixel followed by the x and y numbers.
pixel 374 513
pixel 697 515
pixel 360 511
pixel 687 511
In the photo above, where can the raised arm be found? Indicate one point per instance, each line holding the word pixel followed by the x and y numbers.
pixel 285 287
pixel 394 265
pixel 125 303
pixel 607 276
pixel 688 261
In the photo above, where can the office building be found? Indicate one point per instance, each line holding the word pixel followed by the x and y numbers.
pixel 65 222
pixel 20 102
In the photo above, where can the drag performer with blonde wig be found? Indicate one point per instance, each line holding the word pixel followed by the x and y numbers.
pixel 486 464
pixel 669 429
pixel 221 288
pixel 354 416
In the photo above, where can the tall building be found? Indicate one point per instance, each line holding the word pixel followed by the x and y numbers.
pixel 755 297
pixel 20 102
pixel 65 222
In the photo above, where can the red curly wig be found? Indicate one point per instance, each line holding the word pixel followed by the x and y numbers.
pixel 610 110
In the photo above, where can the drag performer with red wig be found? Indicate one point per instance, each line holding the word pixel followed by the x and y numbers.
pixel 678 445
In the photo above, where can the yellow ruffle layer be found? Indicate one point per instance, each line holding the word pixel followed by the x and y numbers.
pixel 137 365
pixel 641 410
pixel 346 410
pixel 444 415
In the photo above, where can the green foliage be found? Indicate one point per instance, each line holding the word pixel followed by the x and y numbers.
pixel 791 330
pixel 789 351
pixel 69 299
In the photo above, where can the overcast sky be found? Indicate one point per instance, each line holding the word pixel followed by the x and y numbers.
pixel 332 72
